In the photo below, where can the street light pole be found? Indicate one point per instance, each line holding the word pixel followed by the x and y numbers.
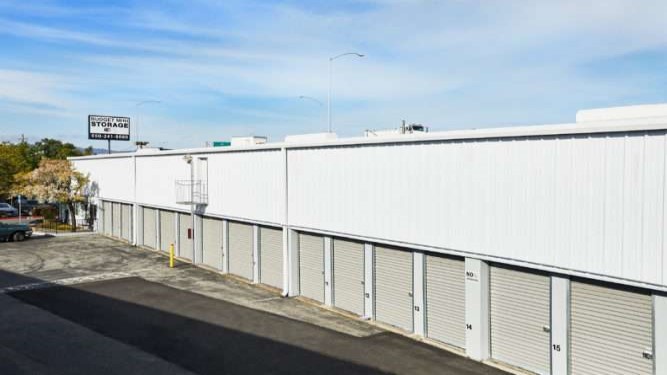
pixel 331 59
pixel 312 99
pixel 138 142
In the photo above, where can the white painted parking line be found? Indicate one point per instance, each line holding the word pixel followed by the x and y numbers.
pixel 66 281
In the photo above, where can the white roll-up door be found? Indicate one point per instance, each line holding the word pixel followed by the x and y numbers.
pixel 445 299
pixel 393 287
pixel 240 250
pixel 115 228
pixel 348 275
pixel 311 266
pixel 271 256
pixel 108 218
pixel 611 330
pixel 99 216
pixel 212 242
pixel 167 229
pixel 185 243
pixel 150 235
pixel 520 319
pixel 126 222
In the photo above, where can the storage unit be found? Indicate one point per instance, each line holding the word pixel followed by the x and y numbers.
pixel 212 242
pixel 240 250
pixel 167 229
pixel 520 318
pixel 116 220
pixel 126 222
pixel 271 256
pixel 348 275
pixel 445 299
pixel 150 234
pixel 393 287
pixel 311 266
pixel 99 217
pixel 108 218
pixel 184 243
pixel 611 330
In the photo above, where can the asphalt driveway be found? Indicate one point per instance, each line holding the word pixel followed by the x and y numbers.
pixel 83 305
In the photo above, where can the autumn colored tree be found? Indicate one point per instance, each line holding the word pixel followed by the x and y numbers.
pixel 22 157
pixel 54 181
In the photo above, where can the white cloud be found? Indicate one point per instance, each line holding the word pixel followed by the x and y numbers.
pixel 447 64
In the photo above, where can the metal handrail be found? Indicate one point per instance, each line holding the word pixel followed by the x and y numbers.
pixel 191 192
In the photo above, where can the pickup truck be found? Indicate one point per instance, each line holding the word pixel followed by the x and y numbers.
pixel 14 231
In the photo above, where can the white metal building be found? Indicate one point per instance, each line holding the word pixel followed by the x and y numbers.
pixel 539 247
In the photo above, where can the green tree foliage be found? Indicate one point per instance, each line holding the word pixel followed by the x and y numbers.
pixel 12 162
pixel 55 149
pixel 17 158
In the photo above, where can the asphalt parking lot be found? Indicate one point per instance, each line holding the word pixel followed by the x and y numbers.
pixel 92 305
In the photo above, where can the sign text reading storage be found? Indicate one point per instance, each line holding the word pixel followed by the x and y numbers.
pixel 109 127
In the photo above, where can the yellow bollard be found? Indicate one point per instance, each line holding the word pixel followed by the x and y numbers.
pixel 171 256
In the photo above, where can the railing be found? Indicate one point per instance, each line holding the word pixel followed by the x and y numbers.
pixel 57 226
pixel 191 192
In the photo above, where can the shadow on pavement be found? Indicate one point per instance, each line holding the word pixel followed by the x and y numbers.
pixel 192 344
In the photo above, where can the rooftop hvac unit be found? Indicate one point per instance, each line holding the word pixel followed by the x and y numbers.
pixel 403 129
pixel 247 141
pixel 622 113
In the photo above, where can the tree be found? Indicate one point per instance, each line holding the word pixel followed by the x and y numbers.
pixel 54 181
pixel 55 149
pixel 23 157
pixel 13 159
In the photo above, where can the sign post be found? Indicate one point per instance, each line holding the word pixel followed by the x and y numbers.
pixel 111 128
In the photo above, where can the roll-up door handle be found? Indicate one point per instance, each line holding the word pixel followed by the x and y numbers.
pixel 546 328
pixel 647 354
pixel 410 294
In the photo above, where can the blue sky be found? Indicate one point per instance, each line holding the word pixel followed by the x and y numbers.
pixel 229 68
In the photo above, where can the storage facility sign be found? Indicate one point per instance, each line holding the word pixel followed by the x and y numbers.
pixel 109 127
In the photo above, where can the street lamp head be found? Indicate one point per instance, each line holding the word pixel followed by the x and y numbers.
pixel 311 99
pixel 345 54
pixel 140 103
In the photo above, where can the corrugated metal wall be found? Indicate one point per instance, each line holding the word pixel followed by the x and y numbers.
pixel 533 199
pixel 112 177
pixel 247 185
pixel 539 200
pixel 156 178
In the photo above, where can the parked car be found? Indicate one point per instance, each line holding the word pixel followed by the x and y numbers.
pixel 14 231
pixel 27 206
pixel 7 210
